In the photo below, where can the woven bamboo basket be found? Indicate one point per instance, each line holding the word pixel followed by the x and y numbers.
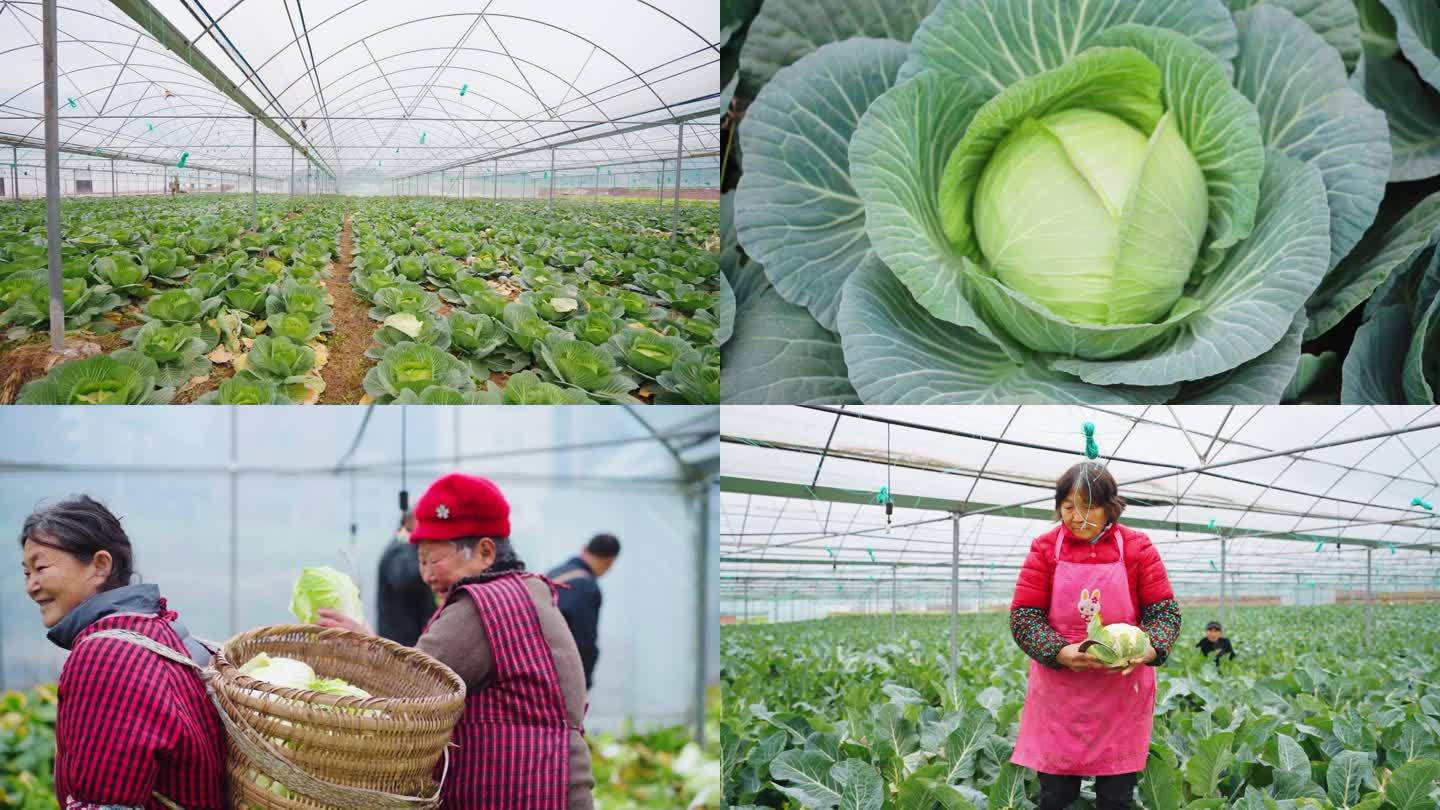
pixel 333 751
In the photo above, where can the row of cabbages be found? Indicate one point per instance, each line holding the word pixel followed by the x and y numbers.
pixel 1115 201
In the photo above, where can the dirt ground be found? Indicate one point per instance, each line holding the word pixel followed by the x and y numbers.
pixel 344 374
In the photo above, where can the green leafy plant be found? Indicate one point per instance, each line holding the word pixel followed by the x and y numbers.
pixel 594 327
pixel 82 304
pixel 245 388
pixel 100 380
pixel 302 299
pixel 403 297
pixel 177 349
pixel 526 388
pixel 691 380
pixel 525 325
pixel 427 328
pixel 475 295
pixel 297 326
pixel 1128 205
pixel 287 364
pixel 414 367
pixel 554 304
pixel 122 272
pixel 323 587
pixel 482 341
pixel 585 366
pixel 648 352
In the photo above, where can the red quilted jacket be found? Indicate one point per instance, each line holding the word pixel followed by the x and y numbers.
pixel 1149 583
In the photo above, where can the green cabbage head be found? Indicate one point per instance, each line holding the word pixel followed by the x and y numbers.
pixel 324 587
pixel 1117 201
pixel 1117 644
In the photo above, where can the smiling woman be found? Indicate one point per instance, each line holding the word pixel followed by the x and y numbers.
pixel 134 727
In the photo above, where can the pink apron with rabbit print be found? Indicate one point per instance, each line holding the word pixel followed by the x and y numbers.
pixel 1092 723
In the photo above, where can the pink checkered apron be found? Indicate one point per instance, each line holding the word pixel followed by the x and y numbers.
pixel 513 742
pixel 1092 723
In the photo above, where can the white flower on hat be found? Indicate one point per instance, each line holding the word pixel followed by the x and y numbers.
pixel 442 511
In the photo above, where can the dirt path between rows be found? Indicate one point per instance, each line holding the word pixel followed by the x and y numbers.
pixel 344 373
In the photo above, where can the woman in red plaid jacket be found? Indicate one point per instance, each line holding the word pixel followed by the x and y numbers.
pixel 135 728
pixel 521 743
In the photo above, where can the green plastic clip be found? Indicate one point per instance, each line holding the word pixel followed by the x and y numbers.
pixel 1211 525
pixel 463 88
pixel 1319 546
pixel 1212 566
pixel 1092 450
pixel 71 101
pixel 871 552
pixel 1422 503
pixel 883 496
pixel 422 138
pixel 183 157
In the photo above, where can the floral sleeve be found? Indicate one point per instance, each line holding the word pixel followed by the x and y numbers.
pixel 1161 621
pixel 1032 631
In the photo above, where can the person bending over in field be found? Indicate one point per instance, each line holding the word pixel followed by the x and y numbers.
pixel 136 728
pixel 1216 643
pixel 1082 718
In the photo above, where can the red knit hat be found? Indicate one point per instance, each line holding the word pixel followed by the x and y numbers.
pixel 461 505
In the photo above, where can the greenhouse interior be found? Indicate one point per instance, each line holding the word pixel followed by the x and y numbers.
pixel 225 506
pixel 552 151
pixel 899 617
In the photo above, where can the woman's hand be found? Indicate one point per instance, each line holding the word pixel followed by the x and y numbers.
pixel 334 618
pixel 1141 661
pixel 1071 658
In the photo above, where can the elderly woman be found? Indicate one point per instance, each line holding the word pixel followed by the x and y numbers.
pixel 520 744
pixel 135 726
pixel 1082 718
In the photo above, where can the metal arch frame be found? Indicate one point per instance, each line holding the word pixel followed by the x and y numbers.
pixel 453 49
pixel 253 75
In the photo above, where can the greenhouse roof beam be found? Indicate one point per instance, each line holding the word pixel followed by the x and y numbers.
pixel 1148 500
pixel 33 143
pixel 781 489
pixel 578 139
pixel 152 21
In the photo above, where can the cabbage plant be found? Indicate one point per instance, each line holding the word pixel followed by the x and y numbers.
pixel 526 388
pixel 582 365
pixel 690 381
pixel 1395 358
pixel 648 352
pixel 403 297
pixel 177 349
pixel 482 342
pixel 122 272
pixel 245 388
pixel 554 304
pixel 414 367
pixel 99 380
pixel 525 325
pixel 296 326
pixel 427 328
pixel 287 364
pixel 81 303
pixel 301 298
pixel 475 295
pixel 1125 201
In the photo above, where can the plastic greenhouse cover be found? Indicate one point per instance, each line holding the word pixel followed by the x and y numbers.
pixel 1358 491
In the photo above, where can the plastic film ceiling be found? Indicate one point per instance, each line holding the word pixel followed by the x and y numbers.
pixel 373 89
pixel 800 516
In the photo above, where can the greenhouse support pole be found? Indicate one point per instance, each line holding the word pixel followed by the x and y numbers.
pixel 702 610
pixel 292 172
pixel 893 600
pixel 15 178
pixel 52 180
pixel 462 182
pixel 234 514
pixel 954 595
pixel 660 189
pixel 679 166
pixel 254 185
pixel 1369 598
pixel 497 178
pixel 113 192
pixel 1222 581
pixel 552 177
pixel 597 182
pixel 744 604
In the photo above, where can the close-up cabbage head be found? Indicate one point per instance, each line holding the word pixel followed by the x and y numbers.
pixel 1112 201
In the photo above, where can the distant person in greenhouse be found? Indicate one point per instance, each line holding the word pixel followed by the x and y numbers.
pixel 580 600
pixel 1216 643
pixel 405 602
pixel 1082 715
pixel 135 724
pixel 499 629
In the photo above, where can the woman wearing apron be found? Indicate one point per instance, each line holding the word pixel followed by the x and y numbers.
pixel 1080 717
pixel 520 744
pixel 133 728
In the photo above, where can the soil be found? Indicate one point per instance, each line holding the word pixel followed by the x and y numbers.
pixel 30 359
pixel 344 374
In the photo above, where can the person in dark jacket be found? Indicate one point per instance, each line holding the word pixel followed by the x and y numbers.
pixel 135 727
pixel 406 603
pixel 1215 643
pixel 580 602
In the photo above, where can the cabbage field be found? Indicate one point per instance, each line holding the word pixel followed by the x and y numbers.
pixel 845 713
pixel 436 301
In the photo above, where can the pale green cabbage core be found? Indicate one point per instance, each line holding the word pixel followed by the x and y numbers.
pixel 1090 217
